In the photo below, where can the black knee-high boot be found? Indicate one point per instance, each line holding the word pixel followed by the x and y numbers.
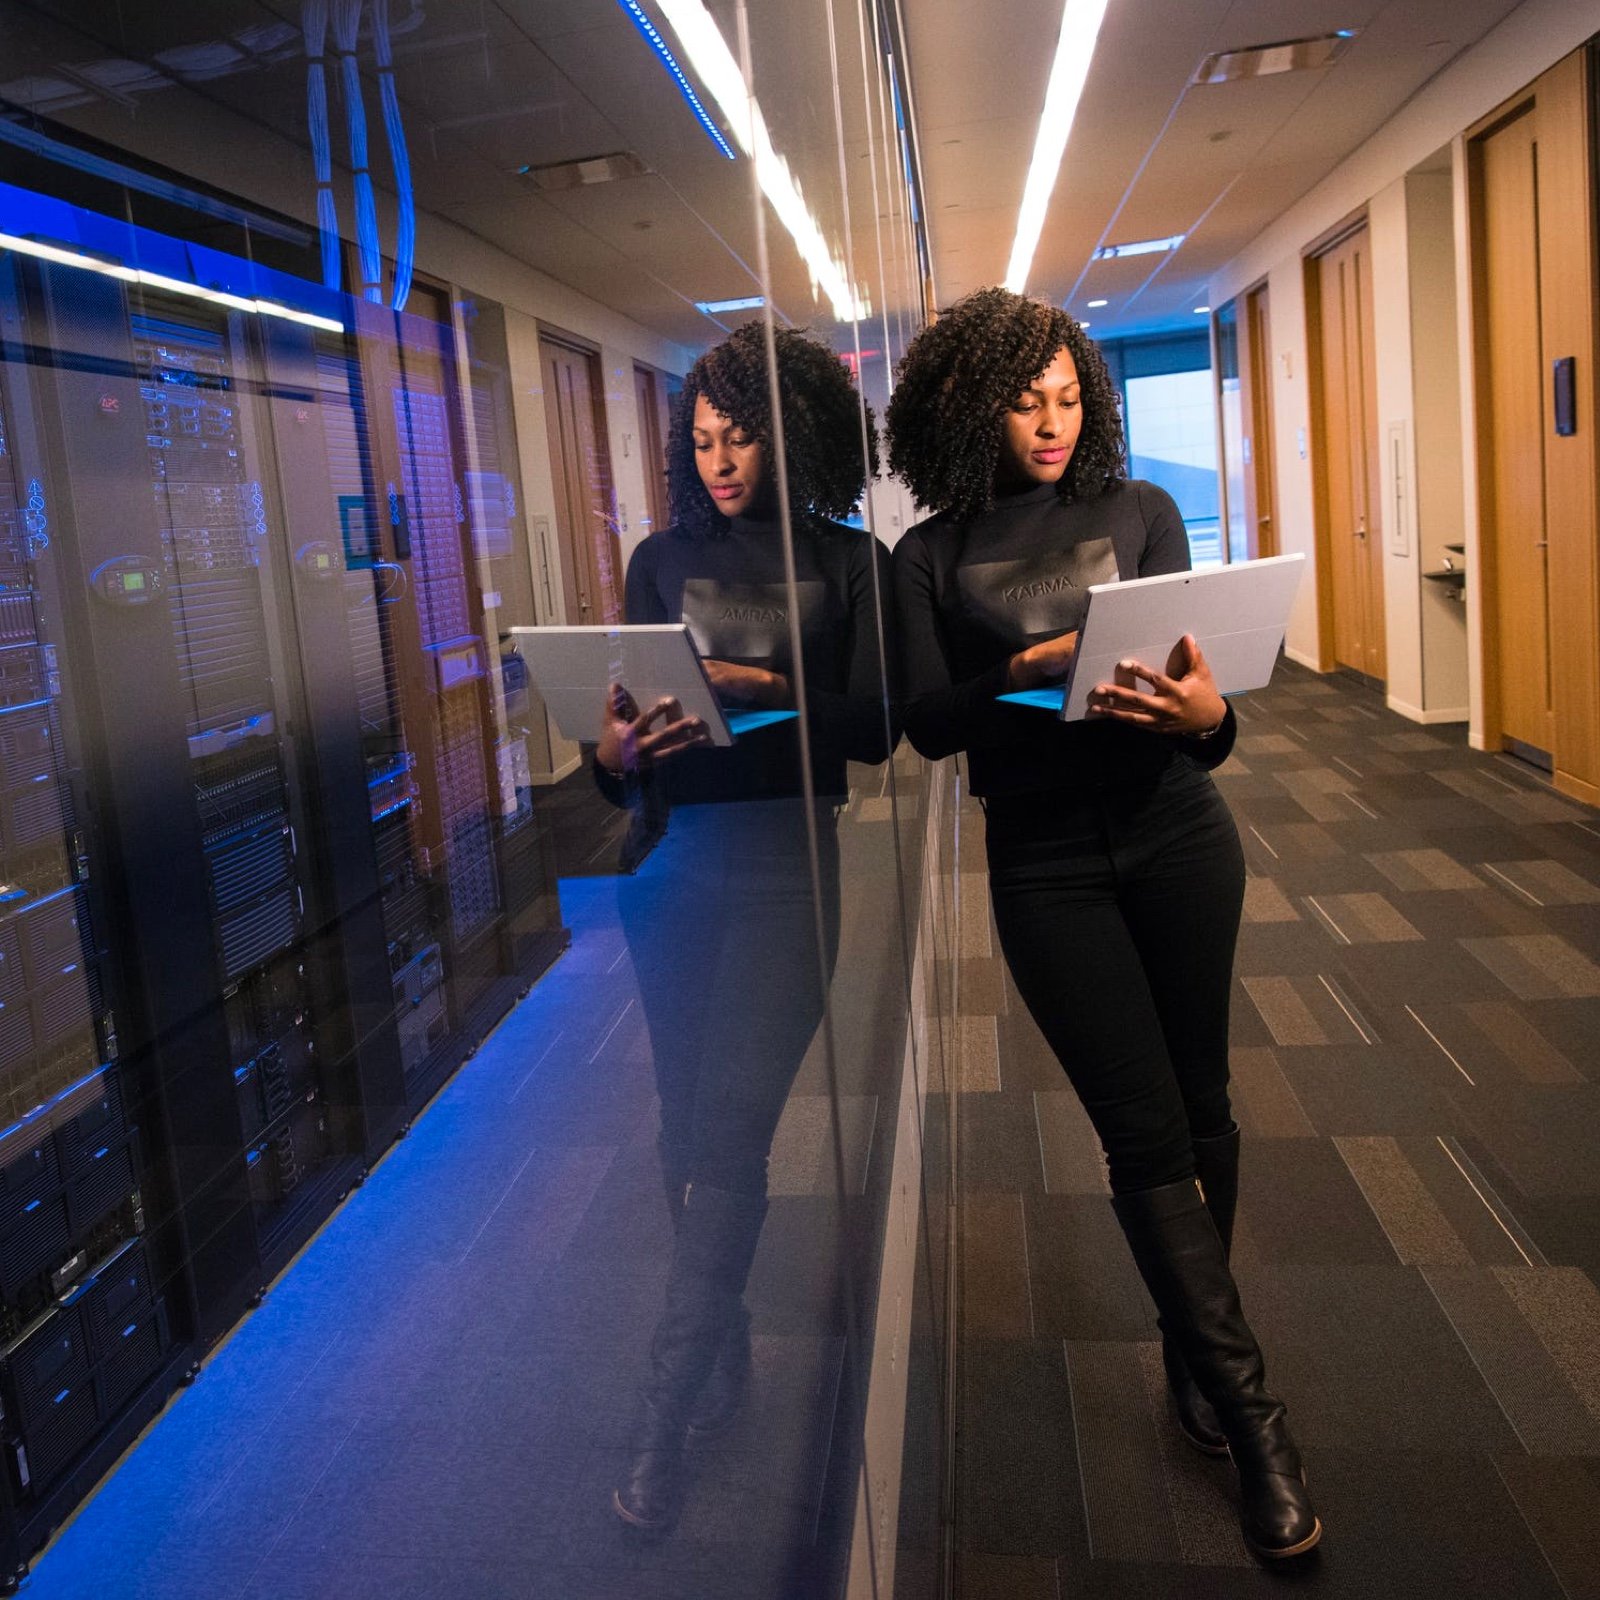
pixel 724 1390
pixel 1180 1257
pixel 716 1242
pixel 1216 1163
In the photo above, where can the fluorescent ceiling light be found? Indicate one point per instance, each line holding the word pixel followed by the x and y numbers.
pixel 1094 305
pixel 156 280
pixel 1080 27
pixel 1202 311
pixel 1083 324
pixel 1139 247
pixel 653 37
pixel 715 308
pixel 710 57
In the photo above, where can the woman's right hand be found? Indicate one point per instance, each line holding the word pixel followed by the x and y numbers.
pixel 630 740
pixel 1042 664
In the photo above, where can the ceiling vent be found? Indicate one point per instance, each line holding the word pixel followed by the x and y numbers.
pixel 590 170
pixel 1262 60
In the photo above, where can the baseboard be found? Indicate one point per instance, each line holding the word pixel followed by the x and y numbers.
pixel 1300 658
pixel 1577 789
pixel 1418 714
pixel 543 780
pixel 875 1537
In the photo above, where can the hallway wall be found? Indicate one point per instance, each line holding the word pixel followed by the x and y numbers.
pixel 1428 666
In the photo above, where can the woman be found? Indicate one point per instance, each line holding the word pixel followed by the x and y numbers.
pixel 1115 868
pixel 721 919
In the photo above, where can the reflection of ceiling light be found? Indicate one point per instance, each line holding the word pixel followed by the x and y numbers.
pixel 1140 247
pixel 1094 305
pixel 580 174
pixel 1080 27
pixel 157 280
pixel 715 308
pixel 670 61
pixel 1262 60
pixel 711 59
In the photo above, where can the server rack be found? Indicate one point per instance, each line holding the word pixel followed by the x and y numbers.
pixel 86 1333
pixel 258 709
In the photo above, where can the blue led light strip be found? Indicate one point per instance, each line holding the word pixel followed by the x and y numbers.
pixel 653 38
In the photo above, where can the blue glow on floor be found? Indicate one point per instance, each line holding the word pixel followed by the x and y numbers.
pixel 367 1356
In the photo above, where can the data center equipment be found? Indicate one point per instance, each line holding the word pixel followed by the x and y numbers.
pixel 82 1325
pixel 270 866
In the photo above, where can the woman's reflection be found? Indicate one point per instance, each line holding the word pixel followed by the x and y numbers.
pixel 720 919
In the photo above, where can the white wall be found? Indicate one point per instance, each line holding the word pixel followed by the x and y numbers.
pixel 1415 316
pixel 1436 369
pixel 1291 433
pixel 1388 242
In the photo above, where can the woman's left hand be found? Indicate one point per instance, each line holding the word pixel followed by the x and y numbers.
pixel 748 686
pixel 1182 700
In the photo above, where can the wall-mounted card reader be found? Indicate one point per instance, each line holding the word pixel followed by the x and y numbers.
pixel 1565 396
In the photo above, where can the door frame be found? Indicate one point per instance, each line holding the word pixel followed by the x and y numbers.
pixel 552 333
pixel 1255 377
pixel 1569 325
pixel 1316 423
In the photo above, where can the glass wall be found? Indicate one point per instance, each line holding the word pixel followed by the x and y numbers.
pixel 1170 414
pixel 491 1063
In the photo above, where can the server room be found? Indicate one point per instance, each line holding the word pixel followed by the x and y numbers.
pixel 510 1081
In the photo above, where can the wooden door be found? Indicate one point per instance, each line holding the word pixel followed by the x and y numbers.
pixel 1512 422
pixel 650 396
pixel 1255 372
pixel 591 554
pixel 1348 445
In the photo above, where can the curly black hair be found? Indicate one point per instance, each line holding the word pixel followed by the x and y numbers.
pixel 957 381
pixel 821 423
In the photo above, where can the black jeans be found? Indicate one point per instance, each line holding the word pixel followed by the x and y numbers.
pixel 721 927
pixel 1118 912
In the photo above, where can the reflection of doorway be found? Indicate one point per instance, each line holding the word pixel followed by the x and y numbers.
pixel 1350 556
pixel 650 394
pixel 1511 423
pixel 591 554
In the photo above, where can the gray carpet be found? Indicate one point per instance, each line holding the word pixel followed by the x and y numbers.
pixel 1416 1033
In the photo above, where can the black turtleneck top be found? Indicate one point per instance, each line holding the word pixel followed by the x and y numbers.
pixel 729 586
pixel 970 595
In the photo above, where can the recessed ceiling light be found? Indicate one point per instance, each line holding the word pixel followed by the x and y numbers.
pixel 1139 247
pixel 580 174
pixel 1202 311
pixel 1094 305
pixel 1262 60
pixel 1084 323
pixel 715 308
pixel 1080 27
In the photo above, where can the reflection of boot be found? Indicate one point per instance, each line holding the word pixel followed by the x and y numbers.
pixel 729 1382
pixel 724 1391
pixel 1216 1164
pixel 674 1178
pixel 1180 1258
pixel 717 1234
